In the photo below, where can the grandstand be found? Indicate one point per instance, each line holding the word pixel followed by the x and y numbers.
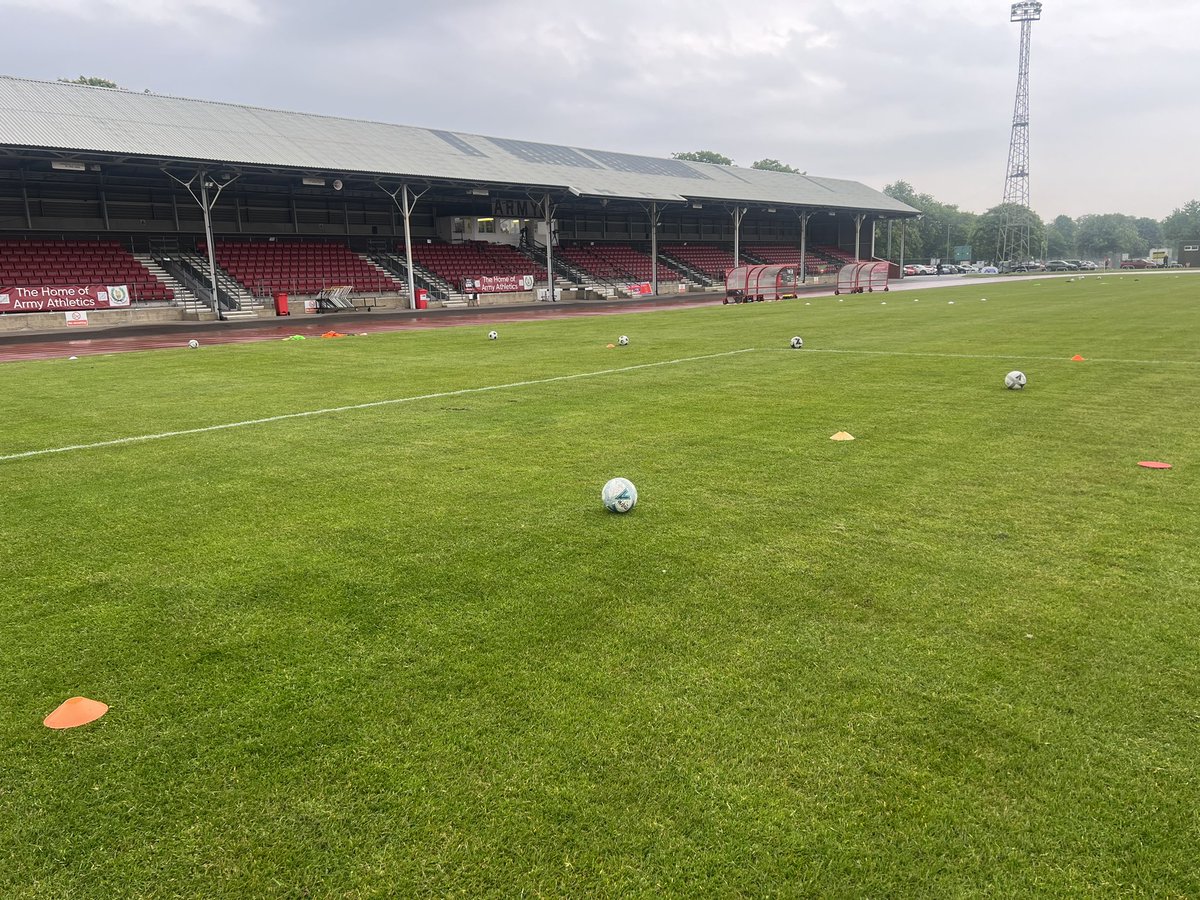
pixel 109 187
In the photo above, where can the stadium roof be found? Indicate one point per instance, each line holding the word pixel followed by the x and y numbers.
pixel 73 118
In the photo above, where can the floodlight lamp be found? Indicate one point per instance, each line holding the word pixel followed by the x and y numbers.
pixel 1026 11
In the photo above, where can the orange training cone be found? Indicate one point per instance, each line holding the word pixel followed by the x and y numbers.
pixel 842 436
pixel 1077 358
pixel 75 712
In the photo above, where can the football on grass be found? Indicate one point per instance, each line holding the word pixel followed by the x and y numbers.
pixel 1014 381
pixel 619 495
pixel 193 343
pixel 492 335
pixel 797 343
pixel 623 340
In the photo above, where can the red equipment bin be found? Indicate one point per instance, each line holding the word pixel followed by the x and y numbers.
pixel 281 307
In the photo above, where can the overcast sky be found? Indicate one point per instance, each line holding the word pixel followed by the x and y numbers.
pixel 871 90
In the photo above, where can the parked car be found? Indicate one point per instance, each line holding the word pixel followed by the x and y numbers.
pixel 1029 267
pixel 1087 265
pixel 1174 264
pixel 1137 264
pixel 988 270
pixel 910 270
pixel 1061 265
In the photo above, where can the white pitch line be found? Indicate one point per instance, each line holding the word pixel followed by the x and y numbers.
pixel 1097 359
pixel 375 403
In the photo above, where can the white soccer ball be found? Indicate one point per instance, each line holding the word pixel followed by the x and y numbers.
pixel 492 335
pixel 797 343
pixel 623 340
pixel 619 495
pixel 1014 381
pixel 194 344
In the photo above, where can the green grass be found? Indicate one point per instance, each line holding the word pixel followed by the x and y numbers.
pixel 403 651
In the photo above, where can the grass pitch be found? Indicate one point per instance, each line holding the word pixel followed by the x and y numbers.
pixel 402 650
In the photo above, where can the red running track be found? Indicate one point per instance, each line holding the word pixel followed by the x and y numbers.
pixel 174 335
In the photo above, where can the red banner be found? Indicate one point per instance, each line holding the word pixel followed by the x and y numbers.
pixel 495 284
pixel 56 298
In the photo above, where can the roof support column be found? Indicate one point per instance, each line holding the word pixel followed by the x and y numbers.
pixel 903 229
pixel 858 220
pixel 208 242
pixel 25 199
pixel 548 215
pixel 407 199
pixel 654 217
pixel 737 212
pixel 804 217
pixel 206 207
pixel 104 204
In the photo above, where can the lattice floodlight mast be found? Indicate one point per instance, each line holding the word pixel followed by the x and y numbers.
pixel 1013 239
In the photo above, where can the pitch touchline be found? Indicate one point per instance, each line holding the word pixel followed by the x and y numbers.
pixel 374 403
pixel 1098 359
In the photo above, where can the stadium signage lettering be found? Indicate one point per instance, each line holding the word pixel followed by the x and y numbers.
pixel 41 298
pixel 514 209
pixel 493 284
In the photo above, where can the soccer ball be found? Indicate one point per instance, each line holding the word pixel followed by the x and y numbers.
pixel 193 344
pixel 623 340
pixel 619 495
pixel 1014 381
pixel 492 335
pixel 797 343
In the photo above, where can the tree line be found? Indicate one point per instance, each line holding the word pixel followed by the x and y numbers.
pixel 943 226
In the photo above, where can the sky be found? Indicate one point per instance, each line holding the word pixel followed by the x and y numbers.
pixel 870 90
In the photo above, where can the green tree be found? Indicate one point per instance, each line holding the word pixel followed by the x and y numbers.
pixel 1066 227
pixel 1110 234
pixel 774 165
pixel 93 80
pixel 941 228
pixel 704 156
pixel 1150 230
pixel 1183 224
pixel 1058 246
pixel 986 232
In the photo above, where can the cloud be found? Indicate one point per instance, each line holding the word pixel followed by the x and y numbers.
pixel 871 90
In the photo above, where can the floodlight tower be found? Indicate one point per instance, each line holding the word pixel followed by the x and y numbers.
pixel 1012 242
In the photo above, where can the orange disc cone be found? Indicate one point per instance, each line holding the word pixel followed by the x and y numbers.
pixel 75 712
pixel 1077 358
pixel 842 436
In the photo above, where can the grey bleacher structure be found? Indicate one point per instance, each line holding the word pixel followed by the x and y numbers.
pixel 81 161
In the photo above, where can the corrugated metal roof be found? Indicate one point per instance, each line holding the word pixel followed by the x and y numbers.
pixel 72 117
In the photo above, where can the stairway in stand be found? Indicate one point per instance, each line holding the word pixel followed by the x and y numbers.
pixel 182 295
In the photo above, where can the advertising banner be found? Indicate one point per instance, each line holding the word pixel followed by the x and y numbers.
pixel 495 284
pixel 56 298
pixel 641 288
